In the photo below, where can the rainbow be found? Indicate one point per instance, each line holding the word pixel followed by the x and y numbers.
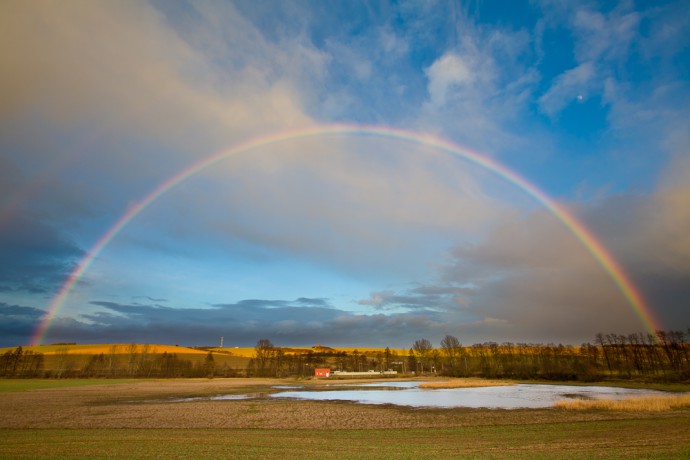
pixel 577 228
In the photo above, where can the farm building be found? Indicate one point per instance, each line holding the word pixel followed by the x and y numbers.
pixel 322 372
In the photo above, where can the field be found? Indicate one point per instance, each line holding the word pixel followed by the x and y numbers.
pixel 76 356
pixel 244 352
pixel 141 419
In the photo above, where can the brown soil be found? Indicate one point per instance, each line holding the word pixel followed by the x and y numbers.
pixel 150 404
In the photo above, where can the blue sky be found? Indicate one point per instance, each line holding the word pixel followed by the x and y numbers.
pixel 344 240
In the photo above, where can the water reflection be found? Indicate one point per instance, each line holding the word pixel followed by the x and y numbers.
pixel 499 397
pixel 219 397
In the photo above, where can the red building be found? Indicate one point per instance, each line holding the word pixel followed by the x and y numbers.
pixel 322 372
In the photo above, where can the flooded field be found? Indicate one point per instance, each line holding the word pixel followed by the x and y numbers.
pixel 267 418
pixel 492 397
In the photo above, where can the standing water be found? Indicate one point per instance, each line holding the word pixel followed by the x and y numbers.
pixel 496 397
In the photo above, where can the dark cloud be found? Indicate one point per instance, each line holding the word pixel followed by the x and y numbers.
pixel 263 304
pixel 152 299
pixel 649 236
pixel 421 298
pixel 242 324
pixel 17 324
pixel 530 278
pixel 34 256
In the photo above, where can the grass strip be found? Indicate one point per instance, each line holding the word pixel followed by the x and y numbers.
pixel 633 404
pixel 465 383
pixel 633 438
pixel 11 385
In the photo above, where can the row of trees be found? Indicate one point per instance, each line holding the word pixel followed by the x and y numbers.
pixel 664 355
pixel 18 362
pixel 129 361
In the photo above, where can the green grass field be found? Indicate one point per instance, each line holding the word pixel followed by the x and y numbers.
pixel 7 385
pixel 651 438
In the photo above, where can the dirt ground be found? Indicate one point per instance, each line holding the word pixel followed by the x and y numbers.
pixel 151 404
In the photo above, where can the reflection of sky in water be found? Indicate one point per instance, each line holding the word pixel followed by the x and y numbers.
pixel 500 397
pixel 213 398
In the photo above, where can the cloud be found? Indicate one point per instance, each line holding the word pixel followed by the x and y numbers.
pixel 603 43
pixel 478 89
pixel 242 324
pixel 34 257
pixel 533 275
pixel 123 99
pixel 432 298
pixel 17 324
pixel 528 279
pixel 126 68
pixel 567 87
pixel 169 88
pixel 347 204
pixel 605 37
pixel 446 72
pixel 150 298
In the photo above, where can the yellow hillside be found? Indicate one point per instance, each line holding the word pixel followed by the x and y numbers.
pixel 248 352
pixel 373 351
pixel 105 348
pixel 243 352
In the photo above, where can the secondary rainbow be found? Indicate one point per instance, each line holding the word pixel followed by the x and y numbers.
pixel 578 229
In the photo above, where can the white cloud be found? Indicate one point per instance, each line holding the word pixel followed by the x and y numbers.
pixel 602 45
pixel 124 66
pixel 604 37
pixel 446 72
pixel 567 87
pixel 377 299
pixel 480 89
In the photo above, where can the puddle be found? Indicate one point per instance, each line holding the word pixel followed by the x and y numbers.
pixel 215 398
pixel 499 397
pixel 234 397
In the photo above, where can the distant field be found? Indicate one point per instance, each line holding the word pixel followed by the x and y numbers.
pixel 244 352
pixel 77 356
pixel 401 352
pixel 105 348
pixel 371 352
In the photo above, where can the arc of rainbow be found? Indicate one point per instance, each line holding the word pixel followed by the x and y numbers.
pixel 577 228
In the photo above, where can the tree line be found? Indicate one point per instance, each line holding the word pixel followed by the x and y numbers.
pixel 120 361
pixel 664 355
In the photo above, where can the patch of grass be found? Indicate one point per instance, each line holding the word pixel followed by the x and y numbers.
pixel 465 383
pixel 647 438
pixel 8 385
pixel 634 404
pixel 632 384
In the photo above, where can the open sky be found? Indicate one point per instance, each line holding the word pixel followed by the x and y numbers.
pixel 341 239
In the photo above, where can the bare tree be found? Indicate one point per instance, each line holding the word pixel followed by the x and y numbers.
pixel 422 348
pixel 209 365
pixel 451 348
pixel 264 351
